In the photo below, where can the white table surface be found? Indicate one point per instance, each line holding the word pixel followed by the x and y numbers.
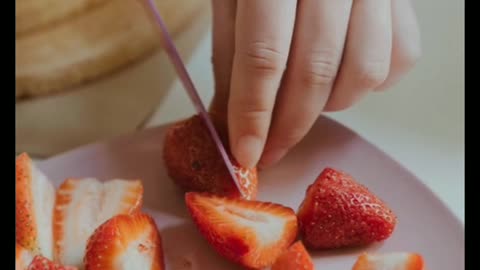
pixel 419 122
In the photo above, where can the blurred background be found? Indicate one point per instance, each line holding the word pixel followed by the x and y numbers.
pixel 85 75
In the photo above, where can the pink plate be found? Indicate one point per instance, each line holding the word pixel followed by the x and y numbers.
pixel 425 224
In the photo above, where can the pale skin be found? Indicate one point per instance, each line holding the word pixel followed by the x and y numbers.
pixel 278 64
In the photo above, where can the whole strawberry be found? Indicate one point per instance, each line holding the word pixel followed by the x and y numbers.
pixel 339 212
pixel 194 163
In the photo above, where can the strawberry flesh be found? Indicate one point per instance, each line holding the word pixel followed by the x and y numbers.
pixel 23 257
pixel 194 164
pixel 295 258
pixel 249 233
pixel 42 263
pixel 34 200
pixel 82 205
pixel 125 242
pixel 339 212
pixel 390 261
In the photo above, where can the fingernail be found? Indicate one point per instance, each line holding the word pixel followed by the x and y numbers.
pixel 271 157
pixel 248 150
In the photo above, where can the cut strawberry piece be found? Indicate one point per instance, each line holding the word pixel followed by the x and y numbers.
pixel 339 212
pixel 82 205
pixel 34 199
pixel 295 258
pixel 125 242
pixel 23 257
pixel 390 261
pixel 194 164
pixel 249 233
pixel 42 263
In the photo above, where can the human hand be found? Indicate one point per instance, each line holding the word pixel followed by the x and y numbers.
pixel 279 63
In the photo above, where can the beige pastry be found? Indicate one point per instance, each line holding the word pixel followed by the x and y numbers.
pixel 94 43
pixel 31 15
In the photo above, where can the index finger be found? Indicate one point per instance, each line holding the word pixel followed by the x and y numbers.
pixel 262 41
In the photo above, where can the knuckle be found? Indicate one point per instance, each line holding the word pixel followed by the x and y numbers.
pixel 254 114
pixel 371 74
pixel 252 110
pixel 321 68
pixel 263 57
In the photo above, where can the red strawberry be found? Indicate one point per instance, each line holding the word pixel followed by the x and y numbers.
pixel 23 257
pixel 42 263
pixel 34 199
pixel 295 257
pixel 125 242
pixel 339 212
pixel 82 205
pixel 194 163
pixel 390 261
pixel 249 233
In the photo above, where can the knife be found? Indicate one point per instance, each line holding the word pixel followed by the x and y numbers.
pixel 191 91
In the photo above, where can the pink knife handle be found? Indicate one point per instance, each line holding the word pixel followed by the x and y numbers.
pixel 192 92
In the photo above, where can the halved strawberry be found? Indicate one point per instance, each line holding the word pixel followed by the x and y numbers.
pixel 249 233
pixel 34 199
pixel 23 257
pixel 194 164
pixel 390 261
pixel 339 212
pixel 296 257
pixel 125 242
pixel 82 205
pixel 42 263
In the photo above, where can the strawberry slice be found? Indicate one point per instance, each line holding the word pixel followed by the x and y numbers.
pixel 250 233
pixel 390 261
pixel 339 212
pixel 125 242
pixel 34 199
pixel 82 205
pixel 194 164
pixel 42 263
pixel 23 257
pixel 295 257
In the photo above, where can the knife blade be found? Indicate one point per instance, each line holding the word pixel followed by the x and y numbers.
pixel 191 90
